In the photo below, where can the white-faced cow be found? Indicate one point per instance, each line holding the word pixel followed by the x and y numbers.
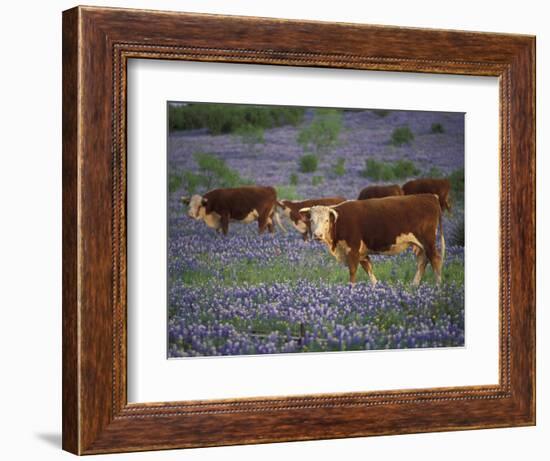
pixel 379 191
pixel 355 229
pixel 291 209
pixel 244 204
pixel 440 187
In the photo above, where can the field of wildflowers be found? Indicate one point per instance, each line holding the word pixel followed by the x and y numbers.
pixel 246 293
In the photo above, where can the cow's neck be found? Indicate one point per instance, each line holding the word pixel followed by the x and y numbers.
pixel 329 242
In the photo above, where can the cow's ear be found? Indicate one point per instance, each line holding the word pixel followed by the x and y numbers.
pixel 186 200
pixel 333 214
pixel 305 213
pixel 204 201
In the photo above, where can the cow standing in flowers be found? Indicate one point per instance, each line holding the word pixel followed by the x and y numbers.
pixel 355 229
pixel 218 207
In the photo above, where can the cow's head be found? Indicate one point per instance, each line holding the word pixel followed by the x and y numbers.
pixel 290 211
pixel 322 220
pixel 283 204
pixel 196 206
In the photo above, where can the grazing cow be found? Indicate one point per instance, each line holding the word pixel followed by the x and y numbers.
pixel 440 187
pixel 291 209
pixel 355 229
pixel 379 191
pixel 242 204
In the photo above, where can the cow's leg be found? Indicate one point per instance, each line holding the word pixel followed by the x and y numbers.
pixel 353 263
pixel 270 226
pixel 304 236
pixel 436 266
pixel 421 263
pixel 263 221
pixel 225 223
pixel 367 265
pixel 435 260
pixel 447 204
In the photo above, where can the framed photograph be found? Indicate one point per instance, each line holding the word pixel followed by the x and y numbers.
pixel 284 230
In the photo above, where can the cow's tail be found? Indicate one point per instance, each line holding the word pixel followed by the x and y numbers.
pixel 441 236
pixel 277 220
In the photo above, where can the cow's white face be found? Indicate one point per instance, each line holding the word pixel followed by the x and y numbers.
pixel 320 221
pixel 196 207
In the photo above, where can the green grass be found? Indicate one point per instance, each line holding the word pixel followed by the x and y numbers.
pixel 212 172
pixel 401 135
pixel 175 181
pixel 288 192
pixel 317 180
pixel 322 134
pixel 319 267
pixel 339 168
pixel 231 118
pixel 308 163
pixel 437 128
pixel 457 184
pixel 389 171
pixel 433 172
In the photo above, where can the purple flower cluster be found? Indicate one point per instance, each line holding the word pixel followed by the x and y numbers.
pixel 215 314
pixel 246 293
pixel 306 316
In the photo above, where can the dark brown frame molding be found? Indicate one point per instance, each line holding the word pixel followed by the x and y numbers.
pixel 97 43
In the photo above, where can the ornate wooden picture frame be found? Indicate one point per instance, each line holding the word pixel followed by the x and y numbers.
pixel 97 44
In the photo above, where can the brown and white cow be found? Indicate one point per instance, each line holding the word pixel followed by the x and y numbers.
pixel 440 187
pixel 241 204
pixel 291 209
pixel 355 229
pixel 379 191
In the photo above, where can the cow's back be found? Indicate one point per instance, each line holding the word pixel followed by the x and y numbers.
pixel 240 201
pixel 440 187
pixel 379 191
pixel 325 201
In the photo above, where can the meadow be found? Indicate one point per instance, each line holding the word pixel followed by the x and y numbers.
pixel 246 293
